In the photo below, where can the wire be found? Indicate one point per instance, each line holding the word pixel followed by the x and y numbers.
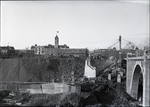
pixel 130 42
pixel 113 44
pixel 126 40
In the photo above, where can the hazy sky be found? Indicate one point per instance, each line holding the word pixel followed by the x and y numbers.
pixel 81 24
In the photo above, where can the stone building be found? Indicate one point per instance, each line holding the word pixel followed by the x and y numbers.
pixel 59 50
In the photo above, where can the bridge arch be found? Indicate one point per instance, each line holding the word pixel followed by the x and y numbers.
pixel 136 79
pixel 137 66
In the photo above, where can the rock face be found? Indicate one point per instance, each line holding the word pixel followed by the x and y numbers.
pixel 40 70
pixel 12 70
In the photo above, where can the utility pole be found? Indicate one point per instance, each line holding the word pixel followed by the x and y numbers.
pixel 120 47
pixel 120 43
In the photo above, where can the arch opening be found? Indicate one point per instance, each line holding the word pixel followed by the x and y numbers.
pixel 140 88
pixel 137 84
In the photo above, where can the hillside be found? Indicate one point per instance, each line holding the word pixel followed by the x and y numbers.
pixel 101 65
pixel 39 70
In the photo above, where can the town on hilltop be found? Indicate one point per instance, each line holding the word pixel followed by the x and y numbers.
pixel 65 51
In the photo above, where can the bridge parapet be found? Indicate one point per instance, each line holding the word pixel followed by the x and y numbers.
pixel 131 56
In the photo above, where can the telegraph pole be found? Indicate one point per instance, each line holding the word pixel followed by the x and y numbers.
pixel 120 47
pixel 120 43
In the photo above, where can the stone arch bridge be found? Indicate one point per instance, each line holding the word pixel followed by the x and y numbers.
pixel 138 68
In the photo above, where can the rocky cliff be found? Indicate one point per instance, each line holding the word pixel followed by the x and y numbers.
pixel 40 69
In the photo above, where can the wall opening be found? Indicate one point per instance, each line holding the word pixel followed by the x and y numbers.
pixel 137 84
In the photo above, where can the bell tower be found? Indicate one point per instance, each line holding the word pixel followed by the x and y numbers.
pixel 56 40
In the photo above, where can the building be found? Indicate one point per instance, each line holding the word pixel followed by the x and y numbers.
pixel 24 51
pixel 58 50
pixel 7 49
pixel 38 50
pixel 3 50
pixel 111 52
pixel 105 53
pixel 66 52
pixel 56 41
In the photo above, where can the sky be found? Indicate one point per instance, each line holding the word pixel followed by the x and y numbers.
pixel 81 24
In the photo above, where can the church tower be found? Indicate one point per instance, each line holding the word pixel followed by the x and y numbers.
pixel 56 41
